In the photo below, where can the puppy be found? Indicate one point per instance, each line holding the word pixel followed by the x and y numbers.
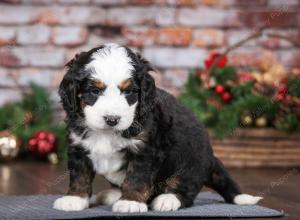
pixel 150 148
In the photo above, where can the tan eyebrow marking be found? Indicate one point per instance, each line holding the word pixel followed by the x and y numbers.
pixel 99 84
pixel 125 84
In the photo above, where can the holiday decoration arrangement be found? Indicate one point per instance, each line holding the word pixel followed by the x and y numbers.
pixel 27 128
pixel 226 97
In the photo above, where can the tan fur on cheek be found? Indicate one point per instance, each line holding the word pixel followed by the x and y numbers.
pixel 125 84
pixel 99 84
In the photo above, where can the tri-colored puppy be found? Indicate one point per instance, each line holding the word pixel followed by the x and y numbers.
pixel 147 145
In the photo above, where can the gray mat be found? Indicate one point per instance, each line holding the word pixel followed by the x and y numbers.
pixel 206 205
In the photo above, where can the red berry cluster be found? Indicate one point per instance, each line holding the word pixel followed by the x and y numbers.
pixel 42 143
pixel 225 95
pixel 282 94
pixel 221 63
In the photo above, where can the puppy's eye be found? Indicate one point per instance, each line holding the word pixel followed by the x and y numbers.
pixel 127 92
pixel 96 91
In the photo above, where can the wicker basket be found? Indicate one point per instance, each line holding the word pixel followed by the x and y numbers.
pixel 259 148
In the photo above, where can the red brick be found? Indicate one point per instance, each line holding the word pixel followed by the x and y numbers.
pixel 38 34
pixel 194 3
pixel 51 15
pixel 7 36
pixel 30 56
pixel 8 58
pixel 141 2
pixel 210 2
pixel 208 38
pixel 248 3
pixel 69 36
pixel 139 36
pixel 11 1
pixel 182 2
pixel 71 15
pixel 282 17
pixel 178 36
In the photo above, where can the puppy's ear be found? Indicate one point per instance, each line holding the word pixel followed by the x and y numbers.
pixel 70 86
pixel 147 87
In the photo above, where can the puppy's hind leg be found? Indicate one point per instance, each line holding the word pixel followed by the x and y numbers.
pixel 221 182
pixel 179 190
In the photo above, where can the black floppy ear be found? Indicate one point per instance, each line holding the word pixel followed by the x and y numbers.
pixel 147 87
pixel 70 86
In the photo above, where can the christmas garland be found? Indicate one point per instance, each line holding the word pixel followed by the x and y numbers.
pixel 28 128
pixel 225 98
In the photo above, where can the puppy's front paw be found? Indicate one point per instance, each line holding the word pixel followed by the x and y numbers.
pixel 71 203
pixel 129 206
pixel 166 202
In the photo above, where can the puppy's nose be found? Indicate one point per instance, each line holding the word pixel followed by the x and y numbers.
pixel 111 120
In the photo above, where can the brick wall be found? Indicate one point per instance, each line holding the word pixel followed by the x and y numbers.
pixel 37 37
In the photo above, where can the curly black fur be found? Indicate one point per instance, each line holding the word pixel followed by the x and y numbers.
pixel 177 156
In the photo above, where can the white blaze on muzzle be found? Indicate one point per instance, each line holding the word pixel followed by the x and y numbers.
pixel 110 65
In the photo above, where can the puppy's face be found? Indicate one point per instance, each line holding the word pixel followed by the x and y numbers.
pixel 108 88
pixel 109 95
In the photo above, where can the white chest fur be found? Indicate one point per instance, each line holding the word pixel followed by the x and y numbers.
pixel 105 153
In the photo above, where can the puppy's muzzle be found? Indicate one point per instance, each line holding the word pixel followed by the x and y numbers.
pixel 112 120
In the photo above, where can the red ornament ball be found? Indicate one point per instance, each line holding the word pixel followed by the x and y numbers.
pixel 219 89
pixel 42 143
pixel 283 90
pixel 279 97
pixel 226 96
pixel 282 94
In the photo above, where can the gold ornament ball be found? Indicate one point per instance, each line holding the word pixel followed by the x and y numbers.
pixel 53 158
pixel 247 120
pixel 261 122
pixel 9 146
